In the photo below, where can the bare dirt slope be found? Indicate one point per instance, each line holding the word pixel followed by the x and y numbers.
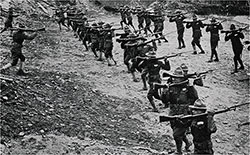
pixel 86 107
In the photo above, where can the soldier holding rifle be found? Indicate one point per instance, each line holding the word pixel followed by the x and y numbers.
pixel 196 26
pixel 214 28
pixel 235 36
pixel 16 50
pixel 153 67
pixel 178 19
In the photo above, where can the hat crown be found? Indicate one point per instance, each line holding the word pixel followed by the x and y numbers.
pixel 184 67
pixel 178 71
pixel 199 104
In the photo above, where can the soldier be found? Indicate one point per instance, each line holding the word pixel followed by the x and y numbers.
pixel 123 16
pixel 178 19
pixel 158 18
pixel 94 35
pixel 8 22
pixel 235 37
pixel 129 17
pixel 101 41
pixel 179 98
pixel 196 26
pixel 16 50
pixel 153 67
pixel 147 23
pixel 61 18
pixel 202 128
pixel 214 38
pixel 140 16
pixel 108 43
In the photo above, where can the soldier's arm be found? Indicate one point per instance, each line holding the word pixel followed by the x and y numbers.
pixel 165 65
pixel 192 95
pixel 211 126
pixel 241 35
pixel 201 24
pixel 208 28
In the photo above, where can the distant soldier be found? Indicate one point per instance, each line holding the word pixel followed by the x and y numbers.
pixel 94 37
pixel 101 41
pixel 158 18
pixel 123 16
pixel 196 26
pixel 108 43
pixel 237 46
pixel 140 16
pixel 179 98
pixel 214 38
pixel 202 128
pixel 178 19
pixel 16 50
pixel 60 14
pixel 153 67
pixel 129 17
pixel 147 23
pixel 8 22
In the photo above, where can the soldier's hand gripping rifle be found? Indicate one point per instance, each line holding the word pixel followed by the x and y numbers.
pixel 190 75
pixel 28 29
pixel 188 117
pixel 216 23
pixel 176 15
pixel 235 31
pixel 199 20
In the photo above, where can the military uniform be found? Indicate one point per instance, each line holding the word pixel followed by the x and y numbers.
pixel 196 27
pixel 153 67
pixel 147 23
pixel 179 98
pixel 94 35
pixel 214 38
pixel 237 47
pixel 180 28
pixel 8 22
pixel 16 50
pixel 201 130
pixel 108 43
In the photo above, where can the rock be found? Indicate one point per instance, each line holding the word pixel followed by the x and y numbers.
pixel 42 131
pixel 237 144
pixel 30 124
pixel 21 134
pixel 217 140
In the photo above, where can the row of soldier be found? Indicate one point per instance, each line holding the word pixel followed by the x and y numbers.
pixel 178 94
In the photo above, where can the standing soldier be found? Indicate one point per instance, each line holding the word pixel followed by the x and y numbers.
pixel 158 18
pixel 178 19
pixel 153 67
pixel 101 41
pixel 214 28
pixel 8 22
pixel 235 37
pixel 202 128
pixel 123 16
pixel 94 37
pixel 108 43
pixel 179 98
pixel 16 50
pixel 196 26
pixel 129 17
pixel 147 22
pixel 140 16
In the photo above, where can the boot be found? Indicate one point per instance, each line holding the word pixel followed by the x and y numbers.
pixel 154 107
pixel 178 147
pixel 241 68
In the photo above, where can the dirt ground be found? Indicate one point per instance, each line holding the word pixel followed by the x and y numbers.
pixel 82 106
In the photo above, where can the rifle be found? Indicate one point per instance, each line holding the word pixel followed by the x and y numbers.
pixel 194 21
pixel 143 44
pixel 188 117
pixel 28 29
pixel 159 58
pixel 234 31
pixel 175 15
pixel 217 23
pixel 190 75
pixel 112 29
pixel 129 39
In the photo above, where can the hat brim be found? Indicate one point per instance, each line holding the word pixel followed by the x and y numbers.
pixel 197 108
